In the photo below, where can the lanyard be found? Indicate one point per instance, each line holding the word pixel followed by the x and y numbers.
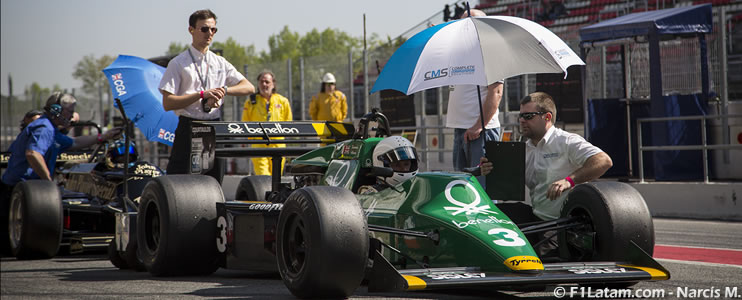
pixel 202 78
pixel 267 108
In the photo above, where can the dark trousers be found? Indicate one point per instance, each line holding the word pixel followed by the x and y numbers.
pixel 180 155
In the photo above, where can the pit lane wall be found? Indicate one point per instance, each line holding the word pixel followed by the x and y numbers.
pixel 693 200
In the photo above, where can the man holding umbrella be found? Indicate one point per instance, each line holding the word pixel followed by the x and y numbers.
pixel 465 118
pixel 194 84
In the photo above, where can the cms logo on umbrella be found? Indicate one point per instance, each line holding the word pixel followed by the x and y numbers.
pixel 118 83
pixel 429 75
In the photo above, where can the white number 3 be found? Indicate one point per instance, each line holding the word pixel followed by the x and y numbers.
pixel 221 239
pixel 508 238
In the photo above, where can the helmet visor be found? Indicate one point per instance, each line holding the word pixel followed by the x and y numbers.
pixel 398 154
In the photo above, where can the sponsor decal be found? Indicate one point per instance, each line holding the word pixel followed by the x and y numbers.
pixel 561 53
pixel 147 170
pixel 461 70
pixel 451 275
pixel 471 208
pixel 551 155
pixel 449 72
pixel 201 129
pixel 68 157
pixel 94 186
pixel 118 83
pixel 524 262
pixel 488 220
pixel 434 74
pixel 587 270
pixel 270 128
pixel 266 206
pixel 166 135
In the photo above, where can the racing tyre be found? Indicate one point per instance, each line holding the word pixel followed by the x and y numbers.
pixel 115 257
pixel 132 258
pixel 127 259
pixel 253 188
pixel 615 212
pixel 176 225
pixel 35 220
pixel 322 242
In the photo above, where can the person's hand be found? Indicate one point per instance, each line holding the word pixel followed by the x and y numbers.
pixel 212 102
pixel 557 188
pixel 485 166
pixel 215 94
pixel 472 133
pixel 111 134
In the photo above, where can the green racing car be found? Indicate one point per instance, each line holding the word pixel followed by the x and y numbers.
pixel 325 237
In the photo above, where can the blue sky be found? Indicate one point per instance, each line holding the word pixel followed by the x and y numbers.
pixel 42 40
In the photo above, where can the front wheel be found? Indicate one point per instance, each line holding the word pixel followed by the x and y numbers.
pixel 322 242
pixel 35 220
pixel 614 214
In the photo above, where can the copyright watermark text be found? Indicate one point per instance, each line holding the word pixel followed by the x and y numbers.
pixel 677 293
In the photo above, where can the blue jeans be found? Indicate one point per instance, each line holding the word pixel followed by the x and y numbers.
pixel 466 155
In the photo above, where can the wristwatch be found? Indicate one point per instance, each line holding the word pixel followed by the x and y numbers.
pixel 225 90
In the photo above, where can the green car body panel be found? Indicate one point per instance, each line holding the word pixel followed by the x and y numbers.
pixel 472 230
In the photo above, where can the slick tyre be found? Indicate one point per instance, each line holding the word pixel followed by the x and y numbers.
pixel 322 244
pixel 615 212
pixel 253 188
pixel 115 257
pixel 35 220
pixel 176 225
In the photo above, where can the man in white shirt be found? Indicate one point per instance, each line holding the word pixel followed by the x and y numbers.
pixel 194 85
pixel 556 160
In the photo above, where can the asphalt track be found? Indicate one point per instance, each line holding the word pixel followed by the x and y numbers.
pixel 704 258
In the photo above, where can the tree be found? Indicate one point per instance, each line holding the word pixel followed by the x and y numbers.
pixel 89 71
pixel 175 48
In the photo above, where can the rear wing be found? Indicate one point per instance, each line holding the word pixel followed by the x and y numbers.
pixel 211 139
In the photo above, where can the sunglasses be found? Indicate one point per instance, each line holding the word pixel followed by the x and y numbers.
pixel 530 115
pixel 206 29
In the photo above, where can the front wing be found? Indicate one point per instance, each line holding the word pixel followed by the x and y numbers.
pixel 384 278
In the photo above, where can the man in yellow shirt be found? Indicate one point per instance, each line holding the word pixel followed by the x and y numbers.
pixel 330 104
pixel 269 106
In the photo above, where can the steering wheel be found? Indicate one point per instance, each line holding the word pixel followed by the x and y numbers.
pixel 363 125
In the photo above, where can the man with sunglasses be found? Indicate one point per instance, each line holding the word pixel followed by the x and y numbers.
pixel 556 160
pixel 194 85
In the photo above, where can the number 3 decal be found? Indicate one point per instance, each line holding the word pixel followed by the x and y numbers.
pixel 508 238
pixel 221 239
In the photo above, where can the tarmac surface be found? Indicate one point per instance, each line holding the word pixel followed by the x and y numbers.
pixel 93 276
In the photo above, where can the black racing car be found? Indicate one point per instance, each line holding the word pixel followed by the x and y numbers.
pixel 76 211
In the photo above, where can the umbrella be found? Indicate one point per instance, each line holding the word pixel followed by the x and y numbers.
pixel 475 50
pixel 134 81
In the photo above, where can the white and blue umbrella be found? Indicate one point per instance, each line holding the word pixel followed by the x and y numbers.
pixel 475 51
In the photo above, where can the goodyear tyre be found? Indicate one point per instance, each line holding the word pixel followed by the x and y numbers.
pixel 615 212
pixel 253 188
pixel 176 225
pixel 322 244
pixel 35 220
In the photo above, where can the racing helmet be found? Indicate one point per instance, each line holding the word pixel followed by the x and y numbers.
pixel 392 150
pixel 117 153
